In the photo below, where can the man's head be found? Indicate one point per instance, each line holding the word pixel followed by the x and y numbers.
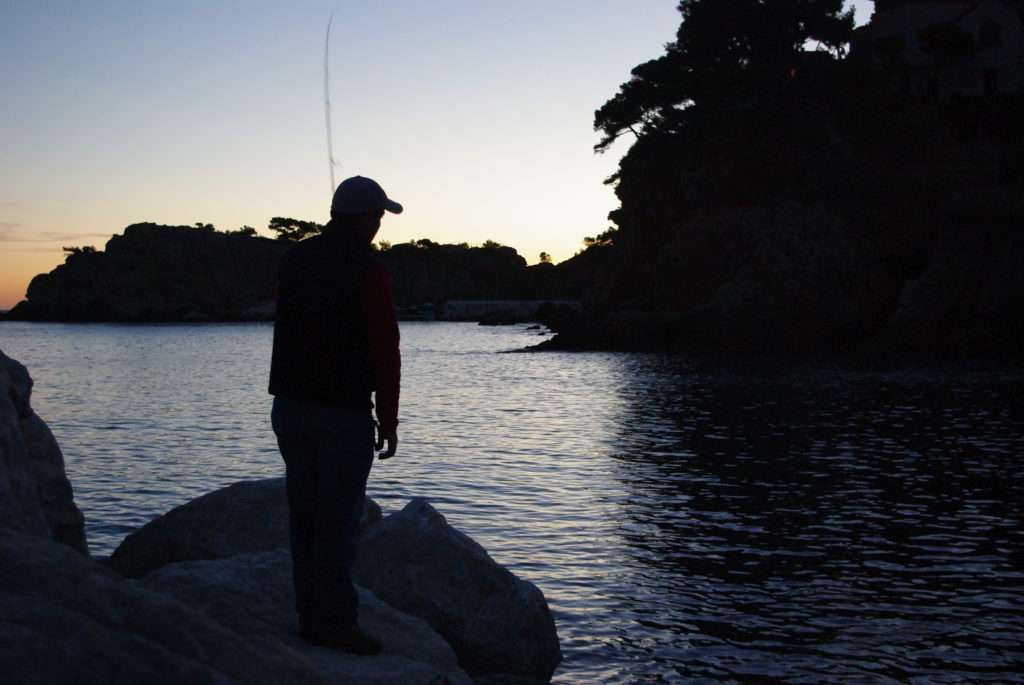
pixel 359 204
pixel 361 195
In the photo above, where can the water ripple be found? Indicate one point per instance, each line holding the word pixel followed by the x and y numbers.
pixel 819 526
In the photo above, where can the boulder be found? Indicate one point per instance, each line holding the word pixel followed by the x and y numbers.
pixel 17 384
pixel 65 618
pixel 496 622
pixel 252 595
pixel 246 517
pixel 35 494
pixel 67 524
pixel 20 508
pixel 413 560
pixel 505 679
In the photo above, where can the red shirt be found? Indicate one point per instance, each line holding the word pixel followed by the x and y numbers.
pixel 336 334
pixel 378 304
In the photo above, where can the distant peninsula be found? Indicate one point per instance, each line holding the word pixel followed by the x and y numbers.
pixel 156 273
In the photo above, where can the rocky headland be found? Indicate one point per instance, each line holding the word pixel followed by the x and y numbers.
pixel 155 273
pixel 159 273
pixel 832 220
pixel 799 187
pixel 203 593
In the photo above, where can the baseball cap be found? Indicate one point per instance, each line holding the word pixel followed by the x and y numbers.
pixel 359 195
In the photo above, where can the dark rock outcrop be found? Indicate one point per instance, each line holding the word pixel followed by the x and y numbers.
pixel 429 273
pixel 413 560
pixel 970 294
pixel 35 494
pixel 252 595
pixel 64 618
pixel 180 273
pixel 158 273
pixel 827 220
pixel 246 517
pixel 496 622
pixel 20 507
pixel 67 525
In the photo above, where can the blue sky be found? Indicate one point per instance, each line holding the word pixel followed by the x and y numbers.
pixel 476 115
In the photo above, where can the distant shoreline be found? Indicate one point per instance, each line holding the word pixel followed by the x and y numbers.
pixel 154 273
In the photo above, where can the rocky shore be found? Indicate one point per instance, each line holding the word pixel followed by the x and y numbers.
pixel 203 593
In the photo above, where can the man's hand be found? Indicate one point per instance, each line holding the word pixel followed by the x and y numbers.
pixel 392 441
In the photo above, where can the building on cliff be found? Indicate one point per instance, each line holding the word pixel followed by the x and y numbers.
pixel 946 48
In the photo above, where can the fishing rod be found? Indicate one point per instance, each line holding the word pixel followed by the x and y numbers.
pixel 327 101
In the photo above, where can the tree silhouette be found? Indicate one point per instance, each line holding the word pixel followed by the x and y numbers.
pixel 602 239
pixel 85 249
pixel 545 258
pixel 724 51
pixel 293 229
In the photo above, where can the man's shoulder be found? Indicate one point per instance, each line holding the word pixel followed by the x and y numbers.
pixel 305 246
pixel 322 249
pixel 301 252
pixel 376 269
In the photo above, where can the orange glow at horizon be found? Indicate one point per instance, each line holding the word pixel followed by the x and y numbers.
pixel 20 265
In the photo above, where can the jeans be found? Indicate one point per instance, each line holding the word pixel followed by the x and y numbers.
pixel 327 453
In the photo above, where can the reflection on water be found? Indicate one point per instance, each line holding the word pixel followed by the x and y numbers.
pixel 801 527
pixel 826 527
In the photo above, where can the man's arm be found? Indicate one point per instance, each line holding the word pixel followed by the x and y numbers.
pixel 386 358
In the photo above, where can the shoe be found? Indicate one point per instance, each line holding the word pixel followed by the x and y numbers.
pixel 354 641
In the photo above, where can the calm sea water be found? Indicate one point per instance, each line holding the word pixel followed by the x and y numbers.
pixel 801 526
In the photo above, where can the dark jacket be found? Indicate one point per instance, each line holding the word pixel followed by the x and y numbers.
pixel 335 334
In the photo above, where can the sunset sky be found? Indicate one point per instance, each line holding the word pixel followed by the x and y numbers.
pixel 475 114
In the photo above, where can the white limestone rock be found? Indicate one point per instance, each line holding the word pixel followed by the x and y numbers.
pixel 67 524
pixel 66 619
pixel 496 622
pixel 246 517
pixel 35 495
pixel 252 595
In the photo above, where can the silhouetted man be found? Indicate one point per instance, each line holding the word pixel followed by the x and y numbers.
pixel 335 343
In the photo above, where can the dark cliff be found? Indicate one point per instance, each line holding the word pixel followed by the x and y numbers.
pixel 427 272
pixel 789 191
pixel 833 218
pixel 156 273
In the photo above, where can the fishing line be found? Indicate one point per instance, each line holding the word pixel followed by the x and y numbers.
pixel 327 101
